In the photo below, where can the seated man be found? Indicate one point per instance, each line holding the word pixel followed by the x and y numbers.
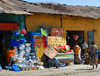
pixel 48 60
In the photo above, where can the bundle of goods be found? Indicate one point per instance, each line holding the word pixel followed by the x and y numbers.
pixel 24 60
pixel 18 38
pixel 80 40
pixel 56 32
pixel 65 55
pixel 64 49
pixel 86 58
pixel 75 37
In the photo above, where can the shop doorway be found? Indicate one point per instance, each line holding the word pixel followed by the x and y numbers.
pixel 71 41
pixel 1 42
pixel 5 38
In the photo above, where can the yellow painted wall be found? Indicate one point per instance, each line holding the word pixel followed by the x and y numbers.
pixel 82 24
pixel 68 23
pixel 37 18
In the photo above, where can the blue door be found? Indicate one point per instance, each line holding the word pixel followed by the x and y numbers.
pixel 90 37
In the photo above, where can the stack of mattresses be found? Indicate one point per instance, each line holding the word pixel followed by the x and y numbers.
pixel 56 41
pixel 65 57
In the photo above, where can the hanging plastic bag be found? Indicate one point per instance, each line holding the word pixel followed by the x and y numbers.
pixel 85 45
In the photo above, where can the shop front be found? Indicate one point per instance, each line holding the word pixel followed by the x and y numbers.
pixel 9 24
pixel 75 36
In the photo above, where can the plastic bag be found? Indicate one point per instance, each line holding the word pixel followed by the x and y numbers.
pixel 15 68
pixel 85 45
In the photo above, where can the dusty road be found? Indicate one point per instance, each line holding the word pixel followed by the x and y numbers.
pixel 88 74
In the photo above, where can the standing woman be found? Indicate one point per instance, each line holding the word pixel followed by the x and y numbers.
pixel 93 54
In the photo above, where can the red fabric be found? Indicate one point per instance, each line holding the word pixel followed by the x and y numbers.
pixel 8 26
pixel 44 42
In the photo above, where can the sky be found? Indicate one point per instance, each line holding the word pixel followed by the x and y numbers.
pixel 95 3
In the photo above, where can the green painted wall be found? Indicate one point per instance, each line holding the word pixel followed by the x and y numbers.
pixel 13 18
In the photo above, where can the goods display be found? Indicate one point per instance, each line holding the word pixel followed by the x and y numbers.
pixel 56 32
pixel 50 52
pixel 56 41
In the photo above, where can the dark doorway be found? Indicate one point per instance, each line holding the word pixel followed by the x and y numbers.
pixel 71 41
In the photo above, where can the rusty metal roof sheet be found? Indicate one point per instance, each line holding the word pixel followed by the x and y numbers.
pixel 84 11
pixel 7 6
pixel 17 6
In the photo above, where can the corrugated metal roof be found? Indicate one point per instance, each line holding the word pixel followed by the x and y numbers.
pixel 84 11
pixel 9 6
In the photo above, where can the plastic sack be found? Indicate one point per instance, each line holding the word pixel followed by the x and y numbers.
pixel 41 67
pixel 85 45
pixel 15 68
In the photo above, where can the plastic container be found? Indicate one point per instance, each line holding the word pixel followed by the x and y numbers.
pixel 28 44
pixel 15 43
pixel 23 41
pixel 8 59
pixel 27 54
pixel 28 49
pixel 32 42
pixel 22 45
pixel 9 54
pixel 22 51
pixel 30 39
pixel 30 34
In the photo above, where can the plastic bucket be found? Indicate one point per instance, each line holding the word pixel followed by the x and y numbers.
pixel 8 59
pixel 9 54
